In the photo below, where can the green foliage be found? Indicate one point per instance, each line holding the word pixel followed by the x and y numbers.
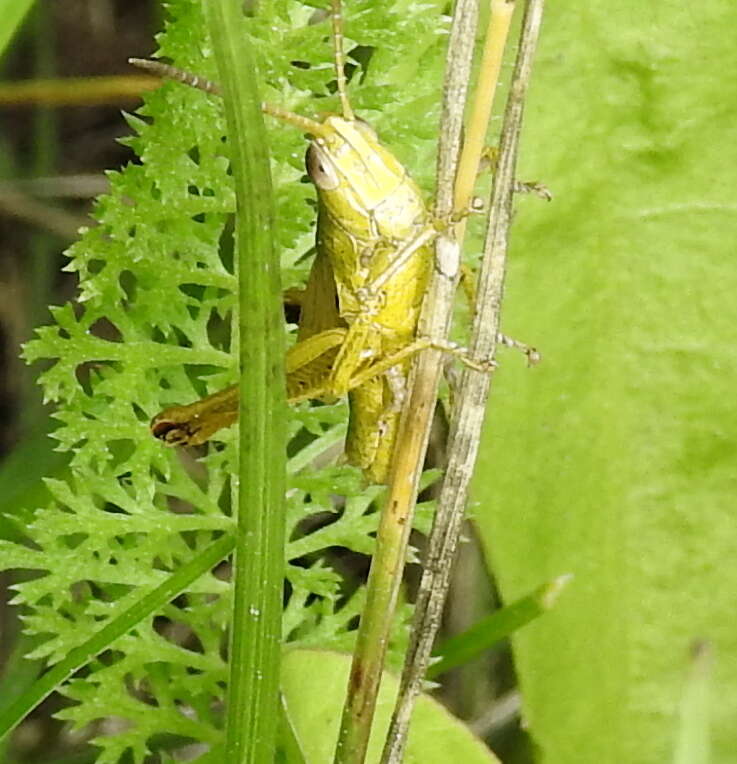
pixel 615 458
pixel 435 736
pixel 152 329
pixel 12 13
pixel 495 627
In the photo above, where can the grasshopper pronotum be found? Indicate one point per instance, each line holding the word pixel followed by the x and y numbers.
pixel 374 237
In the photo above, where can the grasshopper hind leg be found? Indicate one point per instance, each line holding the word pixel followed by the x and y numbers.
pixel 372 430
pixel 375 407
pixel 364 438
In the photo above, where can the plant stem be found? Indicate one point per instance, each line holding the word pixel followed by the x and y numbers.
pixel 42 248
pixel 396 521
pixel 255 636
pixel 495 41
pixel 471 397
pixel 76 91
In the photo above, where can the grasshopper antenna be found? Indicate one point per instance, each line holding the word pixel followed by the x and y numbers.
pixel 337 16
pixel 169 72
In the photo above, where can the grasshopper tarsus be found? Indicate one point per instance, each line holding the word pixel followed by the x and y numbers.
pixel 169 432
pixel 489 159
pixel 533 187
pixel 532 354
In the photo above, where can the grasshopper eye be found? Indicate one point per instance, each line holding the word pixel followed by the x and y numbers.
pixel 320 170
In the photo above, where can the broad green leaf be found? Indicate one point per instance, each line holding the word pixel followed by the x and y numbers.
pixel 314 682
pixel 614 459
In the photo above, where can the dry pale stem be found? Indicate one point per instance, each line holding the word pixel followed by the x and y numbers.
pixel 391 545
pixel 471 400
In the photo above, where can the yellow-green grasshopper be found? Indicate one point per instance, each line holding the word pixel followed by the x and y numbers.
pixel 375 233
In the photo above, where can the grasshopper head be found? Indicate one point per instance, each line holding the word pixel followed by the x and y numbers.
pixel 360 183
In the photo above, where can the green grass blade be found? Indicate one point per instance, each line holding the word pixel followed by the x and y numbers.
pixel 15 711
pixel 496 627
pixel 251 724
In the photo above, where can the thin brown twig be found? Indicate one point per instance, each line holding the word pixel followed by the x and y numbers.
pixel 471 398
pixel 76 91
pixel 65 225
pixel 396 519
pixel 79 186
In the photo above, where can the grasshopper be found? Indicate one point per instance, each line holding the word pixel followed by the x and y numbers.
pixel 374 254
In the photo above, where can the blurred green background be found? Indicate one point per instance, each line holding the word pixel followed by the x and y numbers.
pixel 56 140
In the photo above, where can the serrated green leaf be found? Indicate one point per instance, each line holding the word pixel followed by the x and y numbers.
pixel 152 329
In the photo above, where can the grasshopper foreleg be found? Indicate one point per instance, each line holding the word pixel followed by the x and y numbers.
pixel 421 343
pixel 403 256
pixel 468 284
pixel 489 160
